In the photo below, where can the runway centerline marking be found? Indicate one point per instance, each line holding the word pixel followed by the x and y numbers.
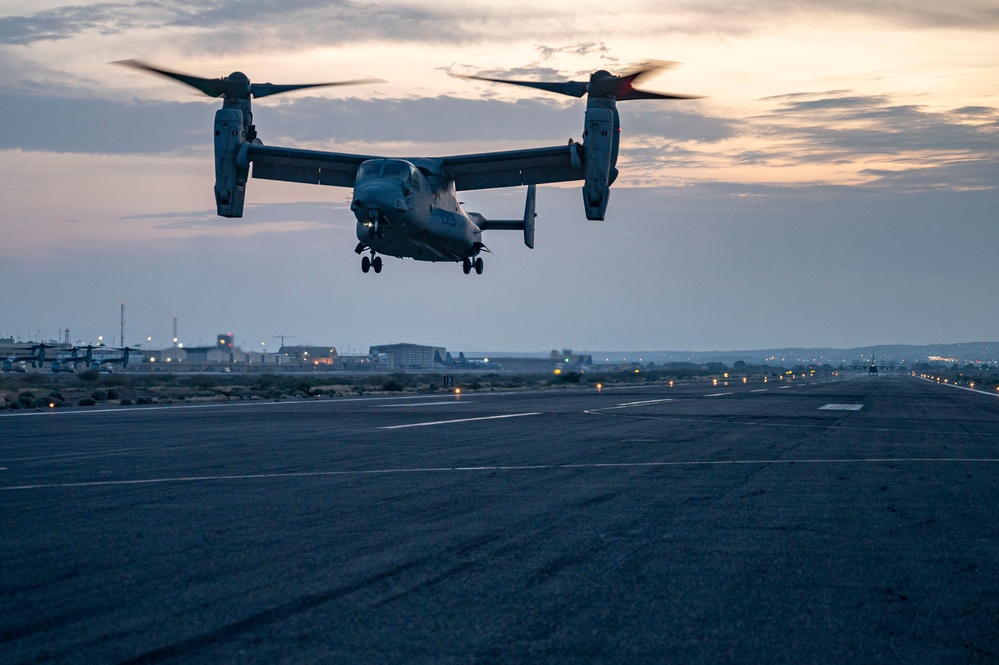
pixel 461 420
pixel 841 407
pixel 631 405
pixel 759 390
pixel 494 468
pixel 405 406
pixel 719 394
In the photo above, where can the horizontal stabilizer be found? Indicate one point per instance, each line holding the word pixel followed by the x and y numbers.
pixel 526 224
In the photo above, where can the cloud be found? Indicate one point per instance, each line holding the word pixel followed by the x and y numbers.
pixel 751 15
pixel 217 26
pixel 913 143
pixel 69 21
pixel 57 123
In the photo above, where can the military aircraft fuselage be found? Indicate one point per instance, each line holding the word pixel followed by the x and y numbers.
pixel 407 212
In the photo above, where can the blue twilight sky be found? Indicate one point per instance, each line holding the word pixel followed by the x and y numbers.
pixel 838 184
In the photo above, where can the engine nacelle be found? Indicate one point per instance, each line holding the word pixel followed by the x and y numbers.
pixel 600 143
pixel 230 173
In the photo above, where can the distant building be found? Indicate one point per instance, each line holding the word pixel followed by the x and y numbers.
pixel 567 357
pixel 401 356
pixel 212 355
pixel 307 355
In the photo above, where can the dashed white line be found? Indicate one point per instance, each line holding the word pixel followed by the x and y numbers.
pixel 493 468
pixel 406 406
pixel 841 407
pixel 629 405
pixel 759 390
pixel 643 403
pixel 461 420
pixel 719 394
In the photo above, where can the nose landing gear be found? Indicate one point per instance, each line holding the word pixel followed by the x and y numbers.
pixel 369 263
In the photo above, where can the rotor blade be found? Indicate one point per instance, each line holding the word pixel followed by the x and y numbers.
pixel 570 88
pixel 641 94
pixel 211 87
pixel 234 85
pixel 644 69
pixel 259 90
pixel 626 82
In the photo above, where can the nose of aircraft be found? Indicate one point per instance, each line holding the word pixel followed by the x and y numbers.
pixel 384 195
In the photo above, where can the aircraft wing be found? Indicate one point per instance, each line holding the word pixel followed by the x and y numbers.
pixel 515 167
pixel 476 171
pixel 313 167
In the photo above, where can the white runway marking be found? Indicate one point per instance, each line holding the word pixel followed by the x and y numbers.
pixel 629 405
pixel 625 405
pixel 401 406
pixel 719 394
pixel 460 420
pixel 493 468
pixel 759 390
pixel 215 405
pixel 783 387
pixel 972 390
pixel 841 407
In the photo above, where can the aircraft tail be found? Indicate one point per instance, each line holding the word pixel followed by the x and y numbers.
pixel 526 225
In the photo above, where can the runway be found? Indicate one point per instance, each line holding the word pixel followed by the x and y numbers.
pixel 850 520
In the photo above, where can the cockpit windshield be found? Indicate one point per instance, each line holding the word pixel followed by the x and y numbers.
pixel 396 169
pixel 369 169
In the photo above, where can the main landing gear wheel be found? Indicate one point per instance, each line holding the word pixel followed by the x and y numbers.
pixel 478 266
pixel 365 264
pixel 466 265
pixel 376 263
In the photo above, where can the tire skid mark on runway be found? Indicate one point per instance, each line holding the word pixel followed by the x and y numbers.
pixel 506 467
pixel 189 646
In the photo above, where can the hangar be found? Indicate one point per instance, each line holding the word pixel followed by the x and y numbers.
pixel 401 356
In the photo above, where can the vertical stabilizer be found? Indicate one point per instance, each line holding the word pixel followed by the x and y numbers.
pixel 529 216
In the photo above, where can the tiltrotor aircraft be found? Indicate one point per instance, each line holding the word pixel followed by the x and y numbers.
pixel 409 207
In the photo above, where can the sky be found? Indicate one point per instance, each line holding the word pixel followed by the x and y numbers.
pixel 837 185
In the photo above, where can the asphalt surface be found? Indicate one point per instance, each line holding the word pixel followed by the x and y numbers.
pixel 710 524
